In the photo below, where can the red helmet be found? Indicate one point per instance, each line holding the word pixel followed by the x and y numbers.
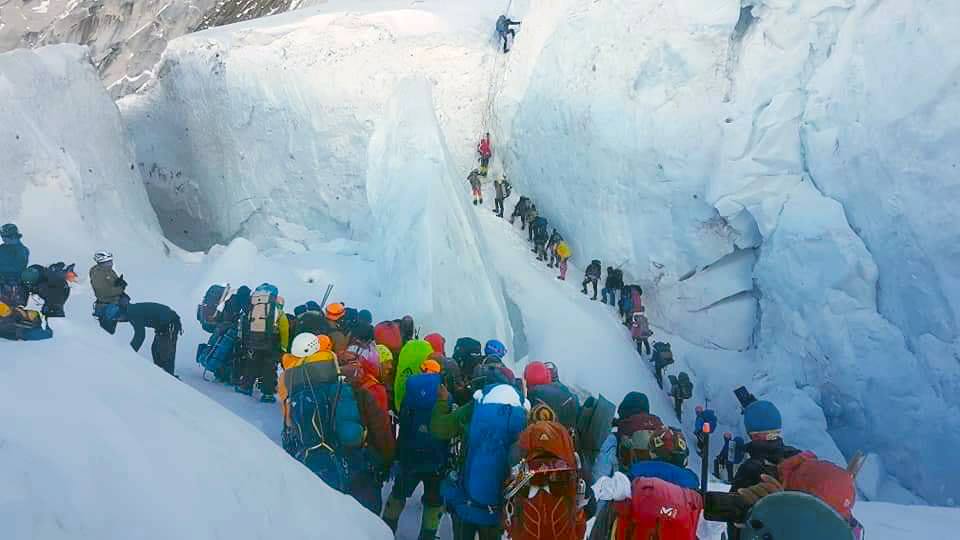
pixel 536 373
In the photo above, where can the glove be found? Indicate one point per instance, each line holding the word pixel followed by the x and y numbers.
pixel 442 393
pixel 768 485
pixel 120 282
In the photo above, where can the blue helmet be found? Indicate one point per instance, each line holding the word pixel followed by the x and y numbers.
pixel 495 348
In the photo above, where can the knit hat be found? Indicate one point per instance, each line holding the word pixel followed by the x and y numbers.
pixel 633 403
pixel 762 416
pixel 365 316
pixel 313 306
pixel 363 332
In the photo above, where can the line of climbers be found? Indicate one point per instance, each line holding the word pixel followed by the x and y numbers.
pixel 500 454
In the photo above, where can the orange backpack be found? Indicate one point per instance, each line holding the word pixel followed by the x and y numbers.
pixel 544 491
pixel 832 484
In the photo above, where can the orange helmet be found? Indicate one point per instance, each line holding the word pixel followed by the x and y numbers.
pixel 335 311
pixel 326 344
pixel 430 366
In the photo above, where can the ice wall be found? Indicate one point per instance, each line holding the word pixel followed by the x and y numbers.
pixel 256 125
pixel 778 174
pixel 424 236
pixel 69 179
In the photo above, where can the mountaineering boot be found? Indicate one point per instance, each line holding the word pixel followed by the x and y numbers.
pixel 430 522
pixel 392 511
pixel 268 398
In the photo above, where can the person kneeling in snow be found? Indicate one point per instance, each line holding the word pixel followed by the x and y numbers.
pixel 167 328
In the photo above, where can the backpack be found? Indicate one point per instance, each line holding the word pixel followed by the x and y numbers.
pixel 544 494
pixel 655 438
pixel 476 496
pixel 216 355
pixel 418 450
pixel 658 509
pixel 831 484
pixel 793 515
pixel 262 319
pixel 563 405
pixel 207 309
pixel 640 328
pixel 662 355
pixel 593 427
pixel 326 423
pixel 411 356
pixel 507 189
pixel 681 386
pixel 388 334
pixel 467 352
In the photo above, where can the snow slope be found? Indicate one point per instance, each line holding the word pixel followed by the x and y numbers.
pixel 109 446
pixel 425 240
pixel 69 176
pixel 774 176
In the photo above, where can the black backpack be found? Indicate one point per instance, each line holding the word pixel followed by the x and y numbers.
pixel 507 189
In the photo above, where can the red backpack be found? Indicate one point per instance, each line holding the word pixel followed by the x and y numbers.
pixel 658 510
pixel 828 482
pixel 544 490
pixel 388 334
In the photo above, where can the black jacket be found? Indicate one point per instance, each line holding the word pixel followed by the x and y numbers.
pixel 614 279
pixel 593 271
pixel 764 456
pixel 145 315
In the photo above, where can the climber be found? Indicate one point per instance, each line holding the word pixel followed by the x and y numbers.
pixel 485 152
pixel 327 444
pixel 520 210
pixel 540 238
pixel 553 259
pixel 265 333
pixel 563 255
pixel 529 217
pixel 640 331
pixel 110 290
pixel 503 189
pixel 611 285
pixel 14 258
pixel 166 326
pixel 505 32
pixel 592 276
pixel 422 458
pixel 765 451
pixel 648 459
pixel 474 179
pixel 488 427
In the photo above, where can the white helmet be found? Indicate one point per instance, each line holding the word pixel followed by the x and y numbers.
pixel 101 257
pixel 304 345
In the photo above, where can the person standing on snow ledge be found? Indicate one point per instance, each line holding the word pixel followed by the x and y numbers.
pixel 505 32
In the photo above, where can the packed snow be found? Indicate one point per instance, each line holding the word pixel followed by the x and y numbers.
pixel 776 175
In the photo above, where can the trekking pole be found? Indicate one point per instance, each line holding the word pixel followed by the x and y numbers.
pixel 326 296
pixel 705 459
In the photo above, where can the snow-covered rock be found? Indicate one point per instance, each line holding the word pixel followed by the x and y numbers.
pixel 126 37
pixel 69 179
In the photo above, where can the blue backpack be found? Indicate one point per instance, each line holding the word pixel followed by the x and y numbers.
pixel 418 450
pixel 327 425
pixel 494 428
pixel 217 353
pixel 667 472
